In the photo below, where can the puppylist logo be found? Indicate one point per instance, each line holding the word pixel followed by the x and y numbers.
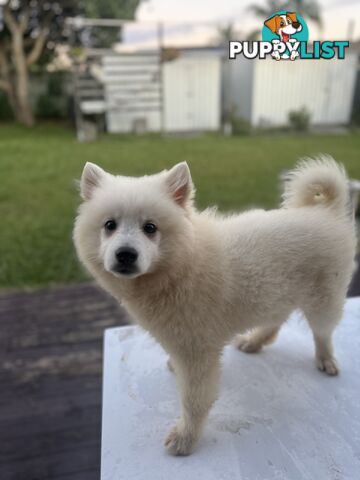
pixel 285 36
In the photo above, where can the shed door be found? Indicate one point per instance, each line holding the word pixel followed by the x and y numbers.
pixel 192 94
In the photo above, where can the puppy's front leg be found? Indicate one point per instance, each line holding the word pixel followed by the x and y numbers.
pixel 197 380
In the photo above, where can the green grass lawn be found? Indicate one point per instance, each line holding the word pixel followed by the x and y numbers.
pixel 38 198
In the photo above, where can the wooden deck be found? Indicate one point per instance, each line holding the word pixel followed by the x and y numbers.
pixel 50 381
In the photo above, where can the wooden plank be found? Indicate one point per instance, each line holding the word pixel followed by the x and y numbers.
pixel 64 404
pixel 54 465
pixel 141 95
pixel 125 89
pixel 51 337
pixel 130 70
pixel 83 475
pixel 88 312
pixel 136 103
pixel 134 82
pixel 59 294
pixel 136 100
pixel 139 80
pixel 31 308
pixel 53 334
pixel 35 426
pixel 47 386
pixel 26 447
pixel 50 381
pixel 134 109
pixel 69 362
pixel 131 59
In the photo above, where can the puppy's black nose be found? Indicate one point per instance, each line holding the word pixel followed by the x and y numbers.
pixel 126 256
pixel 296 24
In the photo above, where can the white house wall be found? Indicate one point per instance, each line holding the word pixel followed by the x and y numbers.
pixel 342 89
pixel 324 87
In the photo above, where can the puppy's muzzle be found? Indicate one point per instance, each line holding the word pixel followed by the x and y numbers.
pixel 126 260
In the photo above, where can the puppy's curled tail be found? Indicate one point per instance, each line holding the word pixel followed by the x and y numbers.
pixel 318 181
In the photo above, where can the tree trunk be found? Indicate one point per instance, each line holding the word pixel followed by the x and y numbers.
pixel 23 114
pixel 23 111
pixel 14 62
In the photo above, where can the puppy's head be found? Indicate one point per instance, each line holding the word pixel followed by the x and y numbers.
pixel 129 226
pixel 284 25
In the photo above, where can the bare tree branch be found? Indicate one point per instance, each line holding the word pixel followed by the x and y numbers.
pixel 38 47
pixel 10 20
pixel 24 21
pixel 40 41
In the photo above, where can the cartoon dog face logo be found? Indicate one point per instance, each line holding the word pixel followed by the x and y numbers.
pixel 284 25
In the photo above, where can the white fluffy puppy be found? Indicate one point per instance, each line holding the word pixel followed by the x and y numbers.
pixel 196 280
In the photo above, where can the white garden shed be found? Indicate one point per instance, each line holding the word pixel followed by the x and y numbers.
pixel 179 94
pixel 265 91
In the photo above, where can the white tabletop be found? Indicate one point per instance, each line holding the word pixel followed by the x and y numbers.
pixel 277 417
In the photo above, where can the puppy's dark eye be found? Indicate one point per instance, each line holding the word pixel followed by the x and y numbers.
pixel 282 23
pixel 110 225
pixel 149 228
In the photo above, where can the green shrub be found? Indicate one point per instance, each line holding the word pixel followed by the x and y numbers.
pixel 5 109
pixel 240 126
pixel 55 84
pixel 300 119
pixel 48 107
pixel 51 103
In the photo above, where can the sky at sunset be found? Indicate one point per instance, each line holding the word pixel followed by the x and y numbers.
pixel 337 17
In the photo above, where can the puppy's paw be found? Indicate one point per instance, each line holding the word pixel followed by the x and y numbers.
pixel 247 344
pixel 179 443
pixel 328 365
pixel 276 55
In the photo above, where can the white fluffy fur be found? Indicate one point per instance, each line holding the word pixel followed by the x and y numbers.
pixel 204 278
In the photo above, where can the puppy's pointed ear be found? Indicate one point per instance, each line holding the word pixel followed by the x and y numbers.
pixel 91 178
pixel 271 23
pixel 292 16
pixel 179 184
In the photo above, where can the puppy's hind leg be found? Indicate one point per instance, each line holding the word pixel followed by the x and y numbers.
pixel 254 340
pixel 323 323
